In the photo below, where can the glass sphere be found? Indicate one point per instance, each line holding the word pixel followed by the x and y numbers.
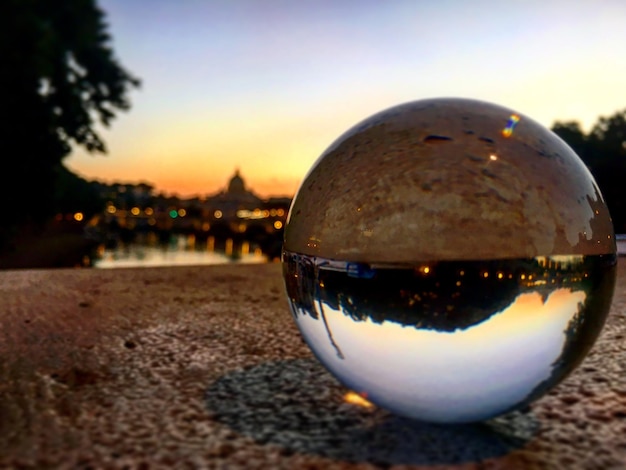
pixel 450 260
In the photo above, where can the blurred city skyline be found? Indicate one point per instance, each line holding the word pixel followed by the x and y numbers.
pixel 267 86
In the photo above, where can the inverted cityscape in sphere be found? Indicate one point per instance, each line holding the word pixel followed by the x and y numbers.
pixel 450 260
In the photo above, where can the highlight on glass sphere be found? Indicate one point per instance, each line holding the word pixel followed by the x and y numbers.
pixel 449 260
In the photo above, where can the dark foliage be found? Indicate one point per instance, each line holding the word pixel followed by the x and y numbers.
pixel 58 79
pixel 603 150
pixel 75 194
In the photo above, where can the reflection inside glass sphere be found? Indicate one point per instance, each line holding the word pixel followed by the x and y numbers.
pixel 450 341
pixel 449 259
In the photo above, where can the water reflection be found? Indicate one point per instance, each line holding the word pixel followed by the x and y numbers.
pixel 451 341
pixel 179 251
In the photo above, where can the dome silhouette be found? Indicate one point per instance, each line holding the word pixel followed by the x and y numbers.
pixel 236 184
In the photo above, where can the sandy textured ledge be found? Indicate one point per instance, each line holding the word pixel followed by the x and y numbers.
pixel 204 368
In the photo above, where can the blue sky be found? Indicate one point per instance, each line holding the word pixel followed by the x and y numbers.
pixel 266 86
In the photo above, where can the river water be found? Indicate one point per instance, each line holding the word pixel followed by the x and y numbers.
pixel 176 253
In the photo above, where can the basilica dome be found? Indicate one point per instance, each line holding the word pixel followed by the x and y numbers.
pixel 236 184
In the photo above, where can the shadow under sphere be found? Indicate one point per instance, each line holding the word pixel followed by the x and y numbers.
pixel 297 405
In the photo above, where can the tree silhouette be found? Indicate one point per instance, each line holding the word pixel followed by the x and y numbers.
pixel 604 152
pixel 571 133
pixel 75 194
pixel 58 79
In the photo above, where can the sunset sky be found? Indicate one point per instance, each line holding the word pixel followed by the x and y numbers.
pixel 266 85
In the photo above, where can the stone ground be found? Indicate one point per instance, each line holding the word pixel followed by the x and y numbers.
pixel 203 367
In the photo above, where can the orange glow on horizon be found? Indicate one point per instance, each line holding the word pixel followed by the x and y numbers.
pixel 200 157
pixel 261 186
pixel 191 184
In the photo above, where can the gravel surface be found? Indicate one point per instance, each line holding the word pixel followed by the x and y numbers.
pixel 203 367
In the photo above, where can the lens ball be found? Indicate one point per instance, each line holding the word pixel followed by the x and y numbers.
pixel 449 260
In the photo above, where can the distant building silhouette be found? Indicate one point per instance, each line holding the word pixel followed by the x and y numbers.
pixel 236 185
pixel 234 213
pixel 235 198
